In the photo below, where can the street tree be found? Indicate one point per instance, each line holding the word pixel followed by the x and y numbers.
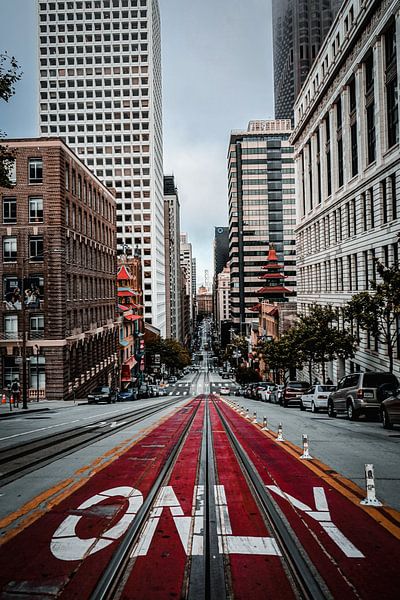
pixel 377 312
pixel 281 356
pixel 319 339
pixel 237 350
pixel 172 354
pixel 10 73
pixel 246 374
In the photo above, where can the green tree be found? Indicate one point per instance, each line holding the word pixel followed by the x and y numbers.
pixel 246 374
pixel 237 350
pixel 172 353
pixel 319 339
pixel 377 312
pixel 9 74
pixel 281 356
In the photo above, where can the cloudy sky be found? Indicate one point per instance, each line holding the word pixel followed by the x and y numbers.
pixel 217 75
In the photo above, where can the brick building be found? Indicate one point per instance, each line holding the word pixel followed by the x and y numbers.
pixel 58 274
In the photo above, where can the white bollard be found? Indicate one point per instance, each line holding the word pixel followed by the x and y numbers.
pixel 371 499
pixel 247 414
pixel 265 424
pixel 254 418
pixel 280 433
pixel 306 455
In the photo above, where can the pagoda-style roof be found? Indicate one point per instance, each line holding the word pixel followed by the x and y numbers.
pixel 272 276
pixel 276 289
pixel 123 274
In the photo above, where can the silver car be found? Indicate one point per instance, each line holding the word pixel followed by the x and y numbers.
pixel 361 393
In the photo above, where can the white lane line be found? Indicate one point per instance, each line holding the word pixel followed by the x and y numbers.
pixel 9 437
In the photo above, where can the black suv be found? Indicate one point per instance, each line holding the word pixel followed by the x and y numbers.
pixel 102 393
pixel 361 393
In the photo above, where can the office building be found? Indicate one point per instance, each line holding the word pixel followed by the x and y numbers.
pixel 58 316
pixel 299 29
pixel 346 141
pixel 223 295
pixel 100 90
pixel 221 248
pixel 261 211
pixel 172 254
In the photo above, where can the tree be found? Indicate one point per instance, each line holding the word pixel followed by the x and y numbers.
pixel 319 339
pixel 9 74
pixel 246 374
pixel 237 349
pixel 281 356
pixel 172 353
pixel 378 312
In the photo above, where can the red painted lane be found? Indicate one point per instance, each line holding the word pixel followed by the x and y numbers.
pixel 27 562
pixel 160 574
pixel 377 575
pixel 252 575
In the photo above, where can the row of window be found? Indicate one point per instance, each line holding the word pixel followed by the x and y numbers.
pixel 353 272
pixel 35 210
pixel 10 326
pixel 35 248
pixel 82 255
pixel 77 5
pixel 361 214
pixel 78 186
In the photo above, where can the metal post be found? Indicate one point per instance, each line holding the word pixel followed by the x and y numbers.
pixel 37 372
pixel 24 373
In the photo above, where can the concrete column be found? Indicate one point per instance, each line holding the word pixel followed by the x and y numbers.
pixel 380 104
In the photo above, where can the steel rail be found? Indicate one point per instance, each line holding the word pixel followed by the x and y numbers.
pixel 110 578
pixel 304 572
pixel 67 442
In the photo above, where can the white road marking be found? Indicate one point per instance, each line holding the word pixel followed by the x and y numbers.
pixel 323 516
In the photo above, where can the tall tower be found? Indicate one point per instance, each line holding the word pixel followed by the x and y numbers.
pixel 173 282
pixel 100 90
pixel 261 211
pixel 299 29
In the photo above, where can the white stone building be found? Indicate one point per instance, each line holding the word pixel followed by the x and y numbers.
pixel 223 292
pixel 347 156
pixel 173 283
pixel 100 90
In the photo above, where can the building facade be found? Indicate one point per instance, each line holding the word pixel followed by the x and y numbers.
pixel 223 295
pixel 299 29
pixel 100 90
pixel 172 238
pixel 261 211
pixel 348 165
pixel 204 302
pixel 221 248
pixel 58 322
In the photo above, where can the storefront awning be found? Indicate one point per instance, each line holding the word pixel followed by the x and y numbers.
pixel 133 317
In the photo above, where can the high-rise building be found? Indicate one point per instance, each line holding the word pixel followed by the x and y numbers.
pixel 58 322
pixel 223 292
pixel 299 29
pixel 172 254
pixel 346 141
pixel 100 90
pixel 221 248
pixel 261 211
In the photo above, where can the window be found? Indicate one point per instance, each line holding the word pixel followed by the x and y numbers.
pixel 392 101
pixel 11 327
pixel 353 127
pixel 36 248
pixel 37 372
pixel 394 195
pixel 35 210
pixel 9 249
pixel 35 170
pixel 36 326
pixel 11 168
pixel 370 107
pixel 9 210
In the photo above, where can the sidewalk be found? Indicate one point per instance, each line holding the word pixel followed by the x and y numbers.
pixel 34 407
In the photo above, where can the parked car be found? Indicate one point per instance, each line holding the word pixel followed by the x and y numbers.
pixel 129 393
pixel 390 410
pixel 102 393
pixel 256 389
pixel 239 391
pixel 225 375
pixel 316 398
pixel 276 394
pixel 292 392
pixel 172 379
pixel 265 393
pixel 225 391
pixel 143 391
pixel 361 393
pixel 247 389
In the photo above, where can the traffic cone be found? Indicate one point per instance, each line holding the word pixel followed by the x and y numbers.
pixel 3 399
pixel 11 399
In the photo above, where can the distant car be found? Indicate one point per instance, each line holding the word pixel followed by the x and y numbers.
pixel 276 394
pixel 316 397
pixel 265 393
pixel 292 392
pixel 143 391
pixel 359 393
pixel 172 379
pixel 129 393
pixel 102 393
pixel 225 391
pixel 225 376
pixel 239 391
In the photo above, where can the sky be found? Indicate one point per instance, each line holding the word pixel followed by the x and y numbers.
pixel 217 76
